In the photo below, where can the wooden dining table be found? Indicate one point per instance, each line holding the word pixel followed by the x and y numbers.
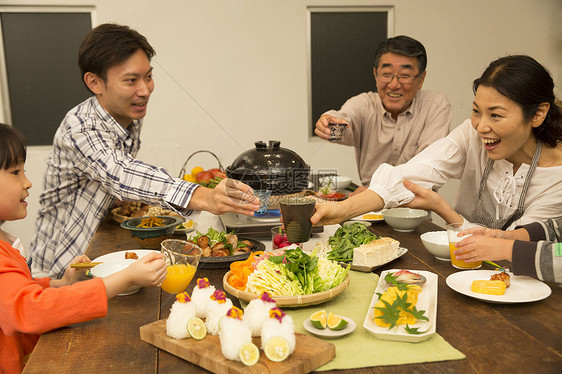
pixel 496 338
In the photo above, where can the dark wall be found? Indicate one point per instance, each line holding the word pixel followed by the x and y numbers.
pixel 41 51
pixel 343 46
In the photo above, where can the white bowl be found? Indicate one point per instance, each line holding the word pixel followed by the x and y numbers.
pixel 437 243
pixel 404 219
pixel 339 182
pixel 111 267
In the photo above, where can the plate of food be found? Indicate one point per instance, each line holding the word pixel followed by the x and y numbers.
pixel 289 301
pixel 290 276
pixel 186 227
pixel 134 254
pixel 482 285
pixel 331 330
pixel 354 243
pixel 333 195
pixel 135 209
pixel 220 248
pixel 406 310
pixel 370 267
pixel 369 217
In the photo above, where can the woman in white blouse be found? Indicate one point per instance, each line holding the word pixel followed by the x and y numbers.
pixel 508 157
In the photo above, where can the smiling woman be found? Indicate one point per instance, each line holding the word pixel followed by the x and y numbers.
pixel 508 157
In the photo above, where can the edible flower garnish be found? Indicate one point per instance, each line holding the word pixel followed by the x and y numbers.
pixel 183 297
pixel 235 312
pixel 203 283
pixel 276 313
pixel 266 297
pixel 219 296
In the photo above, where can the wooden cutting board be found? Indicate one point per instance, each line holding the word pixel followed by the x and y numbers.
pixel 309 354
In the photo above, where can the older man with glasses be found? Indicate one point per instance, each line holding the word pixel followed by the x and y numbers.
pixel 398 121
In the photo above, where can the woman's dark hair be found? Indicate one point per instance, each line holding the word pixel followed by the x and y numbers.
pixel 523 80
pixel 403 45
pixel 12 146
pixel 108 45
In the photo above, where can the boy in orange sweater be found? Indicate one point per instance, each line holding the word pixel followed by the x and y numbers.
pixel 30 307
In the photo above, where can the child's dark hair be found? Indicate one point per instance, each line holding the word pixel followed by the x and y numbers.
pixel 12 146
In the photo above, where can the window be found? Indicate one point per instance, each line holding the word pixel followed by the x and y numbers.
pixel 40 78
pixel 341 48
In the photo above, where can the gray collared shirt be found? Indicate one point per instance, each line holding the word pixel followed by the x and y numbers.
pixel 378 138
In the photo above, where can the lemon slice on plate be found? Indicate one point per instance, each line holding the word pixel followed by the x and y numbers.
pixel 277 349
pixel 335 322
pixel 196 328
pixel 318 319
pixel 249 354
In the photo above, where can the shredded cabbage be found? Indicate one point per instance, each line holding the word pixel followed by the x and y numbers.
pixel 279 281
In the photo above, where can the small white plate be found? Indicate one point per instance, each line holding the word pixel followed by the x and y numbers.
pixel 185 231
pixel 522 289
pixel 328 333
pixel 427 300
pixel 368 269
pixel 367 217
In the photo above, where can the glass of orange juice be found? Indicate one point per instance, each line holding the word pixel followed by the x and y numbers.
pixel 182 258
pixel 453 230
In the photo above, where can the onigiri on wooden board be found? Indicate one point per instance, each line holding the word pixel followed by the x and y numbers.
pixel 310 352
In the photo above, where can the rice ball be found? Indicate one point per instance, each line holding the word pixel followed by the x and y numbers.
pixel 182 311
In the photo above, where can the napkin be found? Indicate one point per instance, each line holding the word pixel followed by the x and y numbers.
pixel 360 348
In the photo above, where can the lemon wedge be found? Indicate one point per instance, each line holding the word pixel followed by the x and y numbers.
pixel 277 349
pixel 249 354
pixel 335 322
pixel 318 319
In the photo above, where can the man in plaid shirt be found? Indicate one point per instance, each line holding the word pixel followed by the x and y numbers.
pixel 93 157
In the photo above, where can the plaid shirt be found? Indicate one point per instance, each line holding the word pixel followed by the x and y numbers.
pixel 92 163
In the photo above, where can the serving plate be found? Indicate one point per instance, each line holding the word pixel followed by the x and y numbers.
pixel 427 300
pixel 328 333
pixel 522 289
pixel 289 301
pixel 225 261
pixel 370 217
pixel 367 269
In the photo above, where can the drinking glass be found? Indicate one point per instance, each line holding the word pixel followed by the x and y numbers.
pixel 337 130
pixel 182 259
pixel 296 212
pixel 279 238
pixel 264 196
pixel 452 233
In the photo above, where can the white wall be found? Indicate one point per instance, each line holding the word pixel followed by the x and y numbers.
pixel 230 72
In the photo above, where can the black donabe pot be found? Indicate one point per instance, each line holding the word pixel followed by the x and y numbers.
pixel 271 167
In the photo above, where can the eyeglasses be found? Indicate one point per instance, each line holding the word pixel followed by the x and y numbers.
pixel 402 78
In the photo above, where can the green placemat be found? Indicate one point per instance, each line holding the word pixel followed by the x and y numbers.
pixel 361 349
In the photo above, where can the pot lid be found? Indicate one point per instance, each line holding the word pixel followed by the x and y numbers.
pixel 269 160
pixel 271 167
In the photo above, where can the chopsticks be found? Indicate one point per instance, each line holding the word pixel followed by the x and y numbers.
pixel 492 264
pixel 85 265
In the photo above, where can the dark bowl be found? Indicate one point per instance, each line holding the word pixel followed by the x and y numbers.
pixel 170 224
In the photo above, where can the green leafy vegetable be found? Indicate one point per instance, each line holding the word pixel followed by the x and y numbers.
pixel 346 238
